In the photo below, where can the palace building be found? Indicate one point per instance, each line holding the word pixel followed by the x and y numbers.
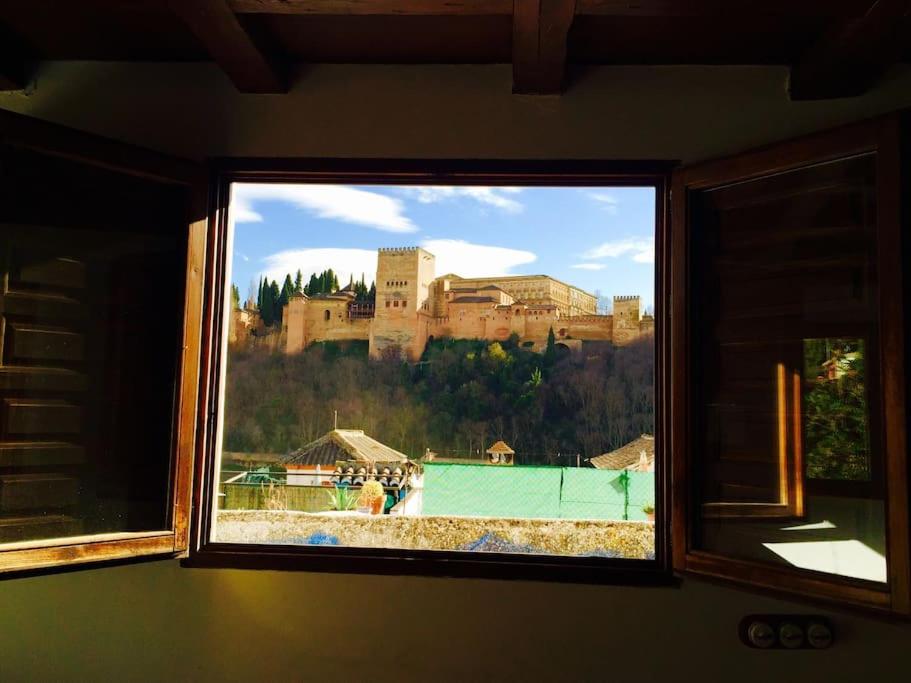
pixel 413 305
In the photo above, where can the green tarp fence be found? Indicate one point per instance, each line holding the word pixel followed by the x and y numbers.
pixel 538 492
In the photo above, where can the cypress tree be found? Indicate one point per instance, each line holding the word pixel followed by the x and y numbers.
pixel 259 294
pixel 550 350
pixel 275 294
pixel 235 297
pixel 312 286
pixel 299 282
pixel 266 308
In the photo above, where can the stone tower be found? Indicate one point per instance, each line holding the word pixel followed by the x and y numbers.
pixel 403 278
pixel 627 313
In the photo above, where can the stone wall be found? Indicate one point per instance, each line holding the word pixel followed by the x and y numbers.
pixel 635 540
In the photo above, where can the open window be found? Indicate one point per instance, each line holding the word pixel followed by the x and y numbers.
pixel 436 422
pixel 789 417
pixel 101 259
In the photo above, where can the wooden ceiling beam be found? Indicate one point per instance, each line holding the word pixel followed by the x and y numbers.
pixel 847 61
pixel 375 7
pixel 616 8
pixel 714 8
pixel 539 32
pixel 248 62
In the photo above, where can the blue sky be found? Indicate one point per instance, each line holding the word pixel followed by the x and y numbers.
pixel 599 239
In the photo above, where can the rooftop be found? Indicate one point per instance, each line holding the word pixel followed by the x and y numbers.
pixel 344 444
pixel 628 456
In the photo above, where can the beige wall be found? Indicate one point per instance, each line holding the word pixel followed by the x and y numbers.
pixel 156 621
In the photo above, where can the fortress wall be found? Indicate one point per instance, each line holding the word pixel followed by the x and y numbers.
pixel 468 321
pixel 498 325
pixel 592 327
pixel 537 325
pixel 517 324
pixel 396 327
pixel 294 320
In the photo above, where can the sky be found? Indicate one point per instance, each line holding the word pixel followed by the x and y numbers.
pixel 600 239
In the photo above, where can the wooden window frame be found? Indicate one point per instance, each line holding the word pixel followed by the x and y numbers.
pixel 61 142
pixel 567 173
pixel 886 137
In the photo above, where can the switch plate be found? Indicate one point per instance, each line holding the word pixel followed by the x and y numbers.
pixel 786 632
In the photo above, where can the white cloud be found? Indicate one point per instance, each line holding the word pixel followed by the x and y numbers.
pixel 589 266
pixel 475 260
pixel 345 263
pixel 639 249
pixel 336 202
pixel 492 196
pixel 608 201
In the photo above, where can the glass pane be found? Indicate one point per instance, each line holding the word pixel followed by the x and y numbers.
pixel 90 315
pixel 835 410
pixel 787 450
pixel 488 388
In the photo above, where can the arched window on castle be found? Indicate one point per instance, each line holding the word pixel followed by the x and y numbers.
pixel 326 315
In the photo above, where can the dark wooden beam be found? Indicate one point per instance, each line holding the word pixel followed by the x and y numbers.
pixel 539 31
pixel 848 60
pixel 643 8
pixel 375 7
pixel 248 62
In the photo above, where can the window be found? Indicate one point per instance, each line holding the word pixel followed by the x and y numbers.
pixel 97 330
pixel 326 315
pixel 795 457
pixel 418 425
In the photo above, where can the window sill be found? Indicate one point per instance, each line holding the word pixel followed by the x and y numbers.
pixel 431 563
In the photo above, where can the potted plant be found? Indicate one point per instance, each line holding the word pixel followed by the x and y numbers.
pixel 341 499
pixel 649 511
pixel 372 496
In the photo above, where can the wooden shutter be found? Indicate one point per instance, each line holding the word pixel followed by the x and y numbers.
pixel 774 250
pixel 101 257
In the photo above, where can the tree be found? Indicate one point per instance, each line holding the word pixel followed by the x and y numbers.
pixel 299 282
pixel 235 297
pixel 312 286
pixel 275 295
pixel 259 294
pixel 550 351
pixel 267 304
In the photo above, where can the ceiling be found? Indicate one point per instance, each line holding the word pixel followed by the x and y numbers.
pixel 835 48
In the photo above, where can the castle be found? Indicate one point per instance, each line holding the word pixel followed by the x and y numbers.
pixel 413 305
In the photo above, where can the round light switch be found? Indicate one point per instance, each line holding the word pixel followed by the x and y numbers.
pixel 761 634
pixel 819 635
pixel 790 635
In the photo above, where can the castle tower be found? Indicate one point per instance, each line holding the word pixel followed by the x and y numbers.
pixel 403 279
pixel 627 314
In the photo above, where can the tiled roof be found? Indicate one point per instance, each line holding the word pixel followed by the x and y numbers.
pixel 628 456
pixel 473 300
pixel 344 444
pixel 500 447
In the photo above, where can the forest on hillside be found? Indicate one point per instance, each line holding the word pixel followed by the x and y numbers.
pixel 461 397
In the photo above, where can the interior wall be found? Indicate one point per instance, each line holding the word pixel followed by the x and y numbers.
pixel 683 113
pixel 155 620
